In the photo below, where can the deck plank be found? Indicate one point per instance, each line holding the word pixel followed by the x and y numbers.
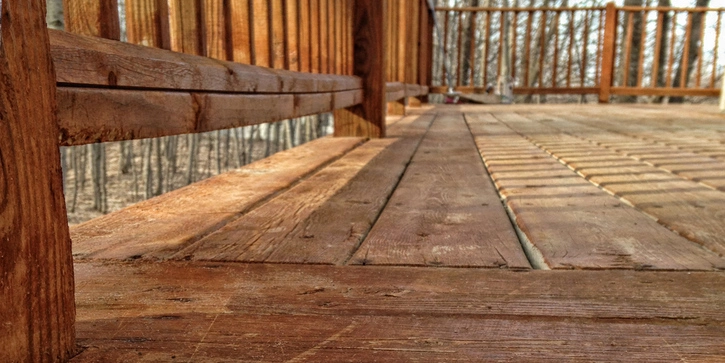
pixel 570 221
pixel 445 211
pixel 159 227
pixel 693 210
pixel 323 219
pixel 212 312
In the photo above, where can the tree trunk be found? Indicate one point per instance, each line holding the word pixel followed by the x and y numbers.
pixel 193 141
pixel 54 14
pixel 98 177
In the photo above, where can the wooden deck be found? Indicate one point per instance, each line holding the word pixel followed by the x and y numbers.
pixel 430 245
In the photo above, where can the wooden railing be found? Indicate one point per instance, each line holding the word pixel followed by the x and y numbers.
pixel 669 57
pixel 570 50
pixel 195 66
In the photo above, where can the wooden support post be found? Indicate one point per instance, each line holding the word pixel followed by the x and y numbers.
pixel 369 28
pixel 414 102
pixel 425 48
pixel 37 310
pixel 608 53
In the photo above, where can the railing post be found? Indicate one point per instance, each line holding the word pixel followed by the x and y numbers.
pixel 37 309
pixel 608 53
pixel 425 68
pixel 369 29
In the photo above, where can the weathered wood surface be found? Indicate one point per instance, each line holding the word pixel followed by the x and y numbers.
pixel 87 61
pixel 700 168
pixel 203 312
pixel 687 207
pixel 571 222
pixel 159 227
pixel 296 227
pixel 445 211
pixel 369 63
pixel 88 115
pixel 92 17
pixel 36 269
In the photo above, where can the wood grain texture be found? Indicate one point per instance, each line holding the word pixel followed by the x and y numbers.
pixel 445 211
pixel 574 224
pixel 185 27
pixel 89 61
pixel 369 29
pixel 92 17
pixel 37 308
pixel 691 209
pixel 204 312
pixel 159 227
pixel 214 29
pixel 147 23
pixel 295 226
pixel 88 115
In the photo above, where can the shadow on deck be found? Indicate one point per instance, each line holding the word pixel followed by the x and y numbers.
pixel 429 246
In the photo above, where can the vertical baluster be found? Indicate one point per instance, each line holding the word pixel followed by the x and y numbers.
pixel 585 51
pixel 571 49
pixel 600 47
pixel 556 49
pixel 486 49
pixel 658 49
pixel 331 25
pixel 671 59
pixel 292 20
pixel 459 52
pixel 324 37
pixel 627 49
pixel 445 48
pixel 315 61
pixel 686 52
pixel 542 48
pixel 500 44
pixel 717 43
pixel 643 40
pixel 698 78
pixel 472 45
pixel 514 44
pixel 527 48
pixel 259 13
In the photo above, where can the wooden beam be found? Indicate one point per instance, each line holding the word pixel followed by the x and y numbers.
pixel 369 29
pixel 608 52
pixel 37 307
pixel 88 115
pixel 87 61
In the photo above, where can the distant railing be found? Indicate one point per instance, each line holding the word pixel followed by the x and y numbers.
pixel 571 50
